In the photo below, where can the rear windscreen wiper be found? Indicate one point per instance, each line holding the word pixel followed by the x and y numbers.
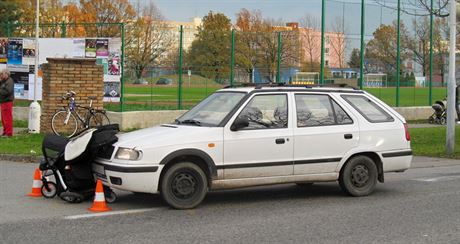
pixel 189 121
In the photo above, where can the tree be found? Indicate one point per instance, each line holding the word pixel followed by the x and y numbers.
pixel 381 50
pixel 147 40
pixel 248 23
pixel 10 13
pixel 311 41
pixel 338 43
pixel 209 52
pixel 355 58
pixel 419 45
pixel 106 11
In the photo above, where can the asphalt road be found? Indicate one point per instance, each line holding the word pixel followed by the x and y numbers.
pixel 421 205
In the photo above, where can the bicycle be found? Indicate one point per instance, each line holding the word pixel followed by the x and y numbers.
pixel 65 122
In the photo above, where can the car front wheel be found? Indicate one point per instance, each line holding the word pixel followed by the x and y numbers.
pixel 184 185
pixel 359 177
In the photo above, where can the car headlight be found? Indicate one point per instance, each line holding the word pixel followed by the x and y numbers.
pixel 128 154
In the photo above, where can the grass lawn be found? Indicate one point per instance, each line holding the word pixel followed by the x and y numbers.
pixel 409 96
pixel 431 142
pixel 22 144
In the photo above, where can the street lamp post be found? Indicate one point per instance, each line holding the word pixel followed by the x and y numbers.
pixel 35 109
pixel 451 85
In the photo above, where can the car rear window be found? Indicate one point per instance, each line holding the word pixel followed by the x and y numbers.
pixel 371 111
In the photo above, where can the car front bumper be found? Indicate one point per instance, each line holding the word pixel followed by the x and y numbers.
pixel 135 178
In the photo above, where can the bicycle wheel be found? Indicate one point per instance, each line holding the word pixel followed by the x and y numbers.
pixel 62 128
pixel 98 118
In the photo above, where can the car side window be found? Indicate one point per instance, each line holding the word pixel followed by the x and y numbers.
pixel 370 111
pixel 319 110
pixel 266 112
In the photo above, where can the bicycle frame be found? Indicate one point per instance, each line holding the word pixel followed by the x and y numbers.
pixel 72 109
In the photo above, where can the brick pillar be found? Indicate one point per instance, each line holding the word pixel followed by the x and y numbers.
pixel 60 75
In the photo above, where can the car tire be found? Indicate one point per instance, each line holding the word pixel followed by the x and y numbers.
pixel 184 185
pixel 359 176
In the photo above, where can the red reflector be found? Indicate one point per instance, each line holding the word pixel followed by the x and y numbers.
pixel 406 131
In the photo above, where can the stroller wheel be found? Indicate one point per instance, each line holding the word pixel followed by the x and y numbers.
pixel 443 121
pixel 49 190
pixel 71 197
pixel 109 195
pixel 431 120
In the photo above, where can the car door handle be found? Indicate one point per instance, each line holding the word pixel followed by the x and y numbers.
pixel 348 136
pixel 280 141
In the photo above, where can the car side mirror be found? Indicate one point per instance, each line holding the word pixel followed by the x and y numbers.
pixel 239 123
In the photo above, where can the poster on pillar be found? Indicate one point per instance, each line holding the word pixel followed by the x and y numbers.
pixel 78 48
pixel 14 51
pixel 90 48
pixel 111 92
pixel 18 54
pixel 28 52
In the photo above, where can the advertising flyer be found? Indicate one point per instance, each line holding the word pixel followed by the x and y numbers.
pixel 79 48
pixel 3 50
pixel 28 52
pixel 102 48
pixel 103 62
pixel 19 92
pixel 111 92
pixel 21 77
pixel 14 51
pixel 114 68
pixel 90 48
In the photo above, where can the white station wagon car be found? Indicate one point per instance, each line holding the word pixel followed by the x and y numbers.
pixel 251 136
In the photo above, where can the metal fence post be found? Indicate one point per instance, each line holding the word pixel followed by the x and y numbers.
pixel 398 53
pixel 122 80
pixel 8 29
pixel 430 92
pixel 179 105
pixel 278 63
pixel 232 61
pixel 361 54
pixel 323 17
pixel 63 30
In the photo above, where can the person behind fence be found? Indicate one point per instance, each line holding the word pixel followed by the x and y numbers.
pixel 6 102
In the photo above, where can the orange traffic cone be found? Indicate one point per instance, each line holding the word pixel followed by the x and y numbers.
pixel 36 185
pixel 99 204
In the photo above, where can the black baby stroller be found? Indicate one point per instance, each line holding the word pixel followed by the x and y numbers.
pixel 69 162
pixel 439 115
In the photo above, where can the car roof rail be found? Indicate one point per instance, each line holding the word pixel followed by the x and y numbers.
pixel 273 84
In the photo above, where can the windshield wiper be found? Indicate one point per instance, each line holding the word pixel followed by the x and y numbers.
pixel 189 121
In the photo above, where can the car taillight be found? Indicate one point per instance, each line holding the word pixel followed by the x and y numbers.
pixel 406 131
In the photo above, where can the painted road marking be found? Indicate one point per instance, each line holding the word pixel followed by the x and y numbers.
pixel 94 215
pixel 441 178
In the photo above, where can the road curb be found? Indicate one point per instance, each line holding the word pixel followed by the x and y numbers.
pixel 20 158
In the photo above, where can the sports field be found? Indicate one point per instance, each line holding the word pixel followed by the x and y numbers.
pixel 152 97
pixel 162 97
pixel 408 96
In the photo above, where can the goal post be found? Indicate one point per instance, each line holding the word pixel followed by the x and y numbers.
pixel 305 78
pixel 375 80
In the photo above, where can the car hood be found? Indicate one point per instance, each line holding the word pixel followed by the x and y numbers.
pixel 166 135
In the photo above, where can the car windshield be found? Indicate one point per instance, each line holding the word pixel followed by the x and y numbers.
pixel 212 110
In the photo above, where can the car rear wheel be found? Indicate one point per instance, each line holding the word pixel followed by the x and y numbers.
pixel 359 176
pixel 184 185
